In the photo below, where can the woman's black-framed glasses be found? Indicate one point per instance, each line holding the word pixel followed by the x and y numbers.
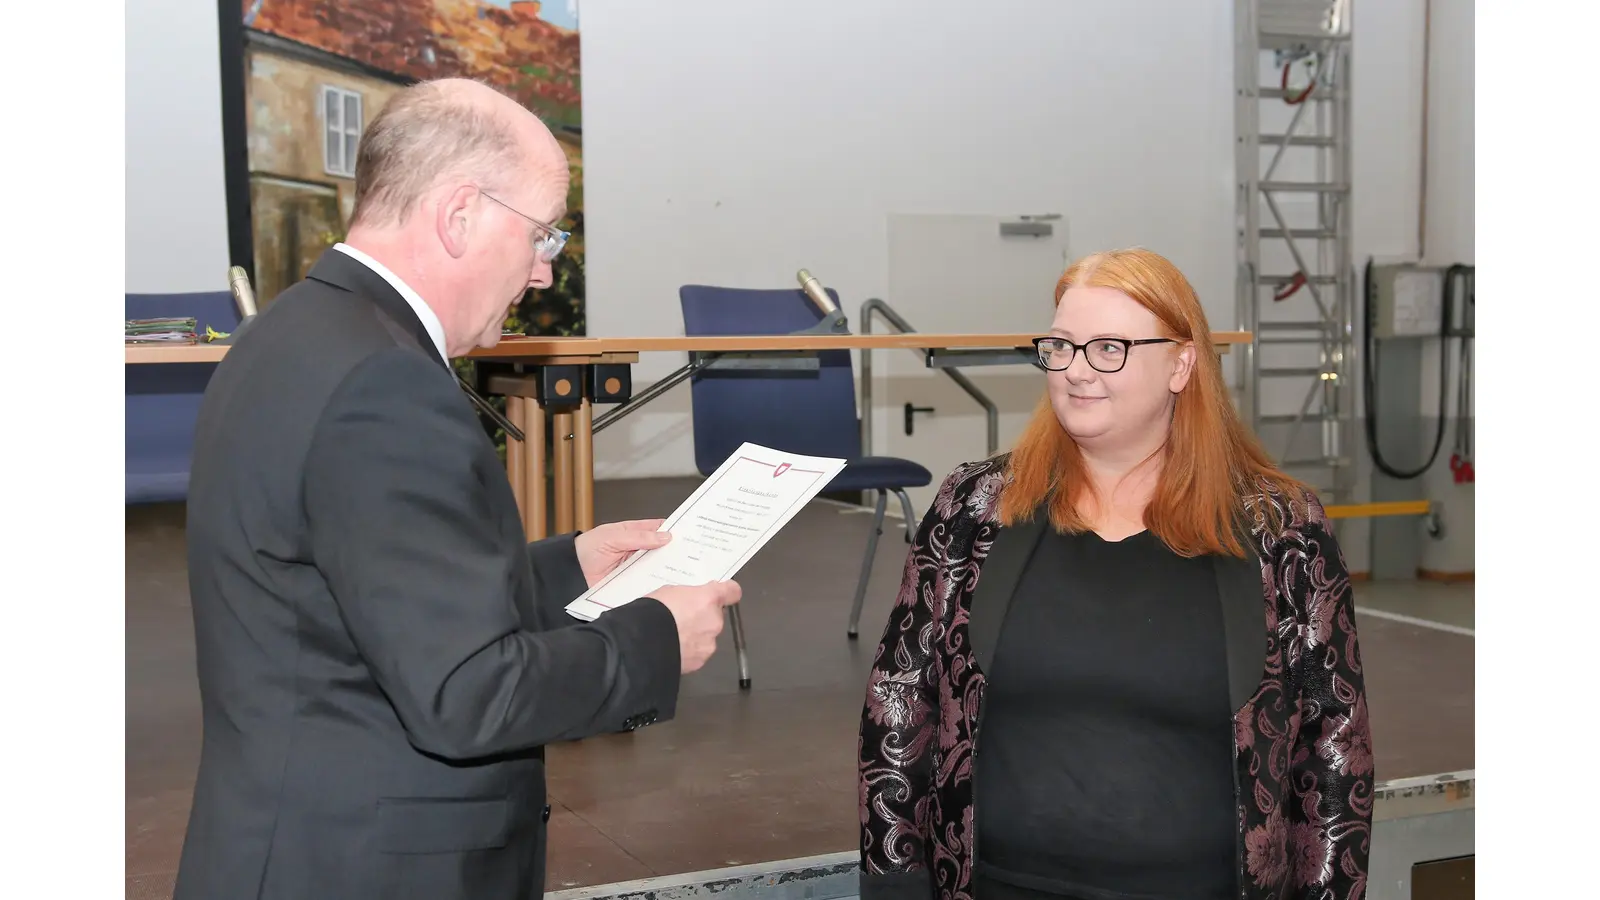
pixel 1106 355
pixel 549 243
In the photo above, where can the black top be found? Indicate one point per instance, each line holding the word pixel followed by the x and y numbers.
pixel 1103 767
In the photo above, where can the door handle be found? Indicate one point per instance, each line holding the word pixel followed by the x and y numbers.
pixel 911 412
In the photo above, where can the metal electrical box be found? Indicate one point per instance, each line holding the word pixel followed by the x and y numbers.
pixel 1407 301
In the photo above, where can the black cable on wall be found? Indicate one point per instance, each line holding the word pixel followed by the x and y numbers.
pixel 1369 377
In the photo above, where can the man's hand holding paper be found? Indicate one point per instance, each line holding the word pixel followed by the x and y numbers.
pixel 718 529
pixel 697 610
pixel 600 550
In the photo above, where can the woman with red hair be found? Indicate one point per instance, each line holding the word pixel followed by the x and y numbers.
pixel 1123 661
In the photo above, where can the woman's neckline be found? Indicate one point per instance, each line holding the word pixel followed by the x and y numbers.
pixel 1122 540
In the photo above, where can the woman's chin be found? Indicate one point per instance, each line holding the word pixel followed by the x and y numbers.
pixel 1083 423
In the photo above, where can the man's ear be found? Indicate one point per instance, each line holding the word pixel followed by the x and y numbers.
pixel 456 219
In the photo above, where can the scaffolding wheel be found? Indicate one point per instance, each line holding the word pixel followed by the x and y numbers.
pixel 1435 523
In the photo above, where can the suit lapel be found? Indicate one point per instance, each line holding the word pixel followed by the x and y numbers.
pixel 997 583
pixel 1243 623
pixel 342 271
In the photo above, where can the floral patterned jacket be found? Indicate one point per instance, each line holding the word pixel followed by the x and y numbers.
pixel 1303 773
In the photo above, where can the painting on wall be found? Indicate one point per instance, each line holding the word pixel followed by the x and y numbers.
pixel 318 71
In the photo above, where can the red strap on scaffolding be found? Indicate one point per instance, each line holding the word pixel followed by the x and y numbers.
pixel 1287 291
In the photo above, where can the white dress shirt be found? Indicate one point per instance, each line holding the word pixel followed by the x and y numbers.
pixel 430 320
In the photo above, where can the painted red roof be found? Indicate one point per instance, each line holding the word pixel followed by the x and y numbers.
pixel 513 49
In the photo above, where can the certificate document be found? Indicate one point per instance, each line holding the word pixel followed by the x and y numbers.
pixel 719 528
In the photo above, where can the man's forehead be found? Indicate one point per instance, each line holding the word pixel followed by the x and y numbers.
pixel 551 185
pixel 542 198
pixel 556 199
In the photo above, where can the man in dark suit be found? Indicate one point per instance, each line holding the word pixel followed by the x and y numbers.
pixel 381 654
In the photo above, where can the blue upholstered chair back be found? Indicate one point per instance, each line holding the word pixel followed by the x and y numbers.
pixel 163 400
pixel 811 412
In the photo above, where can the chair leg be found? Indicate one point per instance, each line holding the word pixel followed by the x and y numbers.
pixel 866 564
pixel 905 507
pixel 743 656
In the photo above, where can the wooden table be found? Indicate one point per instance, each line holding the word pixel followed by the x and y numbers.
pixel 554 382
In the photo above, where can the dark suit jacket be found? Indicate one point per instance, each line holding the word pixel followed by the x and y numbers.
pixel 381 656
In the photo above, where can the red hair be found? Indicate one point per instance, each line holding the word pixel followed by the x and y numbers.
pixel 1211 463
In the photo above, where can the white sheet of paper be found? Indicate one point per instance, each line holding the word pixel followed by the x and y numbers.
pixel 719 528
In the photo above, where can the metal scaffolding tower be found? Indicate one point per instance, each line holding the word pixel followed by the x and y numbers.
pixel 1296 280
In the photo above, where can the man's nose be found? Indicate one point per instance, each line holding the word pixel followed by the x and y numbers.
pixel 542 276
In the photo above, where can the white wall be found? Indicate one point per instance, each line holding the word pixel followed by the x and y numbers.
pixel 1387 118
pixel 732 143
pixel 177 220
pixel 723 146
pixel 1450 139
pixel 1450 239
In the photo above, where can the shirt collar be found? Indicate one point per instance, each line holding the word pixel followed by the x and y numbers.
pixel 430 320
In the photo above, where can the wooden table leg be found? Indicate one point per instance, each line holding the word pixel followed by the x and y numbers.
pixel 516 468
pixel 534 513
pixel 583 465
pixel 561 444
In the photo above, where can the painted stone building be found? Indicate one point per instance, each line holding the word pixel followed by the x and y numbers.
pixel 318 71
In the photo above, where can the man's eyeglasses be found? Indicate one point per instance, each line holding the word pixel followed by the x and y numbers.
pixel 551 239
pixel 1107 355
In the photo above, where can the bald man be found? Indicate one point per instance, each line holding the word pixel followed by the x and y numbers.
pixel 381 654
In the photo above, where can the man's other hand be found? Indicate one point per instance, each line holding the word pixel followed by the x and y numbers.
pixel 605 547
pixel 698 612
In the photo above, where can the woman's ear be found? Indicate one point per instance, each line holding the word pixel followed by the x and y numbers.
pixel 1182 367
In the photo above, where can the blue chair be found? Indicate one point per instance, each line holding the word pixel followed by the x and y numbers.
pixel 812 412
pixel 163 401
